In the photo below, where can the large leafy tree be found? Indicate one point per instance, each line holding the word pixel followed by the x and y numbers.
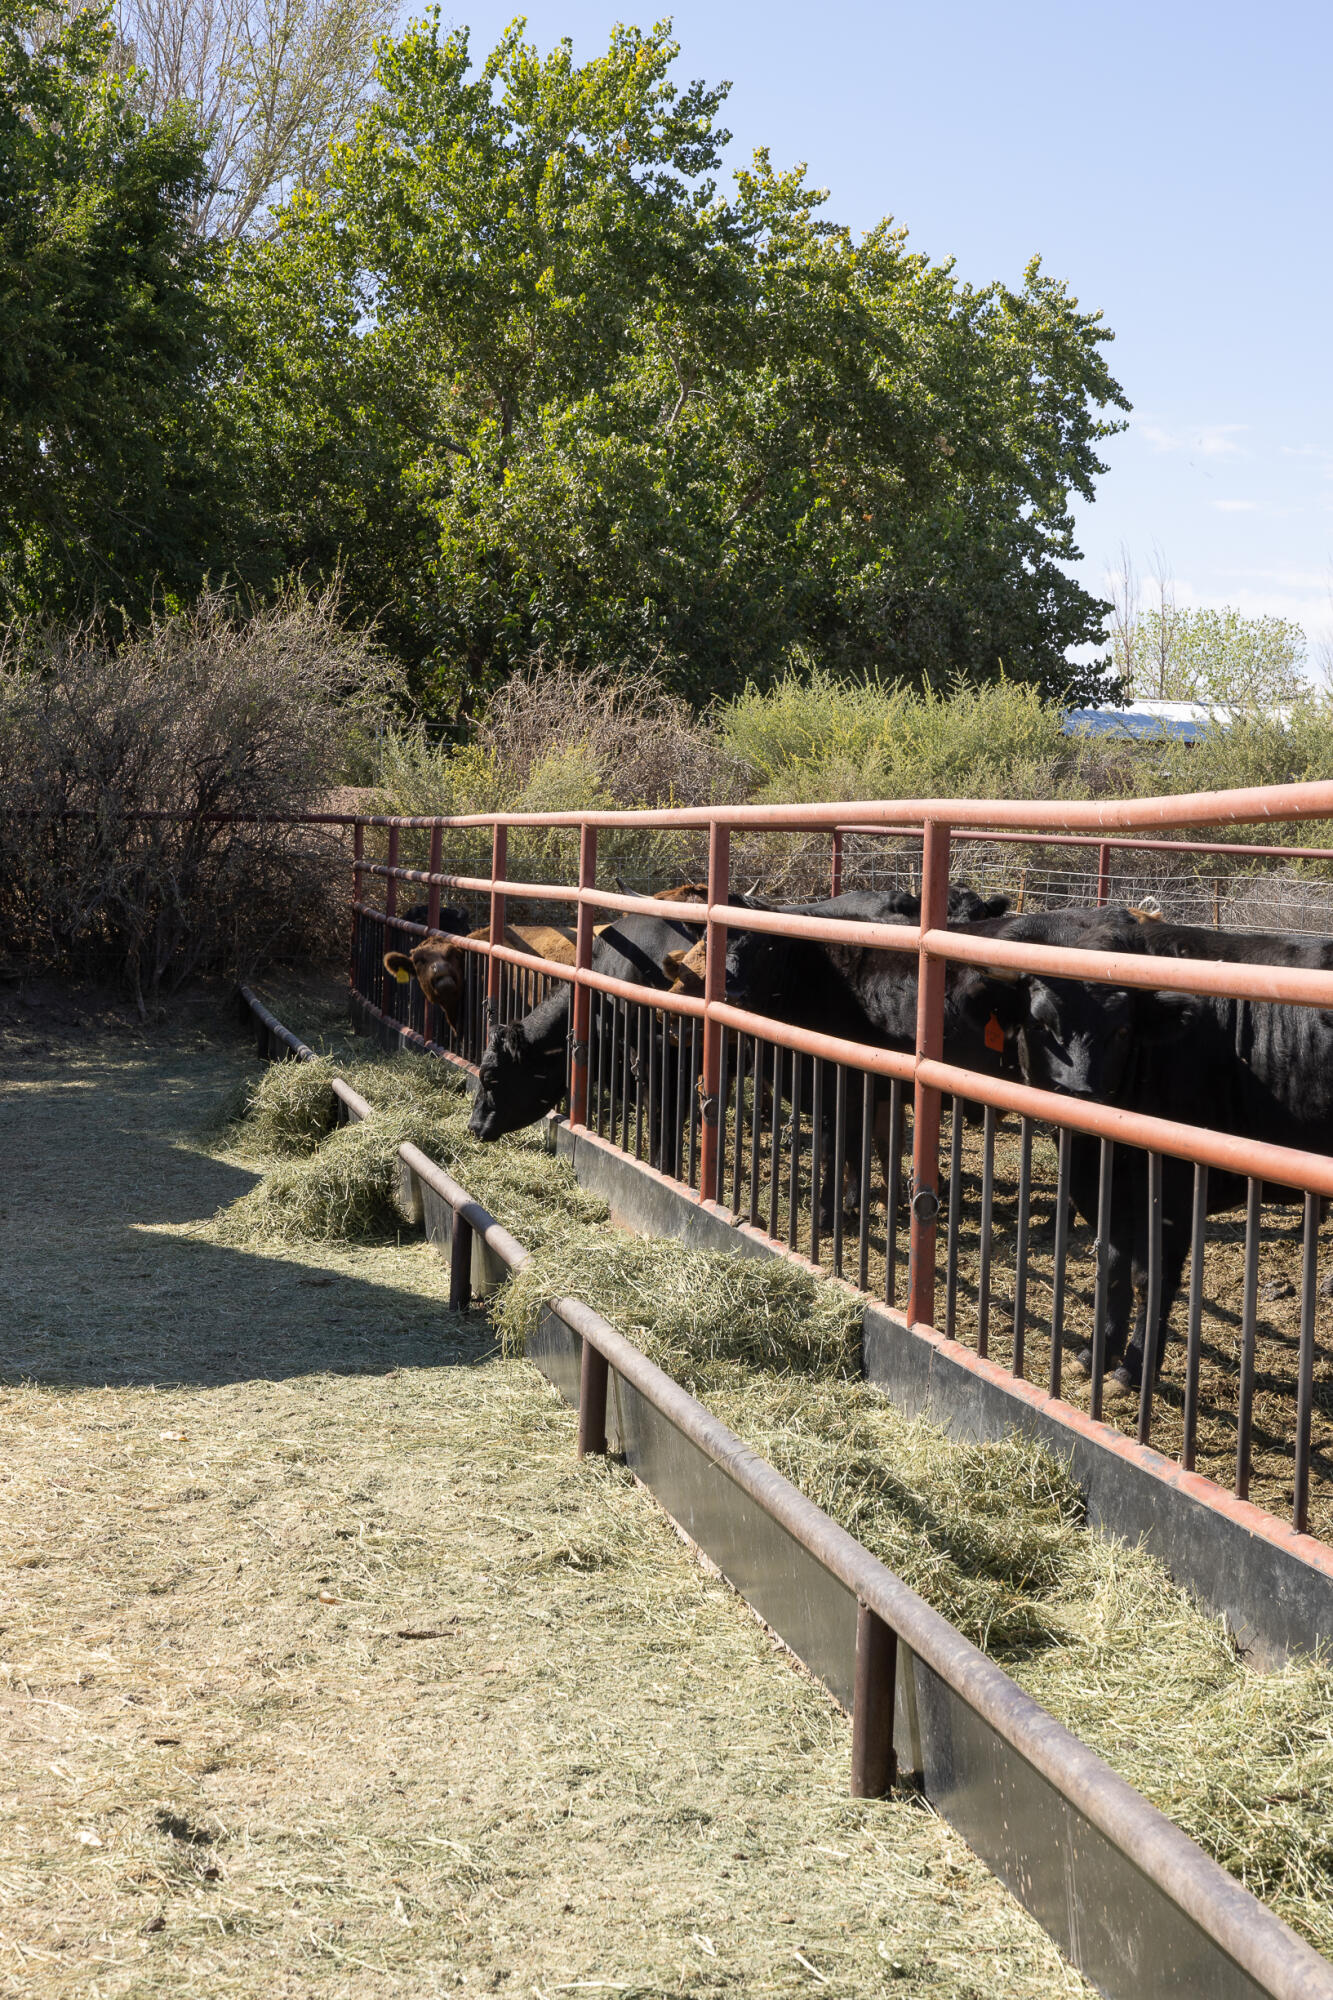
pixel 108 479
pixel 527 366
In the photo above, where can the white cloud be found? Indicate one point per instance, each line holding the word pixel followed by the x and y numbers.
pixel 1236 506
pixel 1210 440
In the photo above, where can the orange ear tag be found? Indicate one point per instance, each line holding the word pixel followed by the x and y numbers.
pixel 994 1036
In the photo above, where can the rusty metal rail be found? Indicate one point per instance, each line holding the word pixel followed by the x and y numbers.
pixel 1129 1898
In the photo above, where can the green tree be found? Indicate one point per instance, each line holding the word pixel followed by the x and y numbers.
pixel 108 339
pixel 630 417
pixel 1219 657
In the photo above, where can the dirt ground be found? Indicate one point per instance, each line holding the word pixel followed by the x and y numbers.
pixel 327 1670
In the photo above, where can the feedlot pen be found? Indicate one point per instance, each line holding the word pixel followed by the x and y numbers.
pixel 328 1670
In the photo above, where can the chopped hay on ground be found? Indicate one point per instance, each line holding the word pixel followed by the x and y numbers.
pixel 329 1673
pixel 991 1534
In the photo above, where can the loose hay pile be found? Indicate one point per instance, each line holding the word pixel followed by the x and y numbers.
pixel 991 1534
pixel 338 1184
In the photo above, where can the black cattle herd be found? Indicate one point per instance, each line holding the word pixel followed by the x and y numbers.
pixel 1259 1069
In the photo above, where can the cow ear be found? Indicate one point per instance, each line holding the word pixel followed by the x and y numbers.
pixel 995 906
pixel 399 965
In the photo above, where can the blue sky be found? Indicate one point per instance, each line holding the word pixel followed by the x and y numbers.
pixel 1172 162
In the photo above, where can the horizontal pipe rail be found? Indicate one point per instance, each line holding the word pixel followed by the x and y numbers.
pixel 1008 836
pixel 1249 1157
pixel 1266 804
pixel 1228 979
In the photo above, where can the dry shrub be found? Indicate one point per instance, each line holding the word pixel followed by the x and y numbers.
pixel 144 790
pixel 642 744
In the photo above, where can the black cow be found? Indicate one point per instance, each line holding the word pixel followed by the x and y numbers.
pixel 451 922
pixel 522 1074
pixel 1261 1069
pixel 863 993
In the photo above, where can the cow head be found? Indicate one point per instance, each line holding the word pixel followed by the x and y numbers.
pixel 1071 1036
pixel 687 970
pixel 967 907
pixel 438 968
pixel 518 1082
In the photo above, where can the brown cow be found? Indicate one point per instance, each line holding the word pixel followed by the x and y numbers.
pixel 439 964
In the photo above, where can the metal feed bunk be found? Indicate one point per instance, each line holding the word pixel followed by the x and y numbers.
pixel 1127 1896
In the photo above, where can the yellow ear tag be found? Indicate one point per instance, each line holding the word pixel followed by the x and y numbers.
pixel 403 978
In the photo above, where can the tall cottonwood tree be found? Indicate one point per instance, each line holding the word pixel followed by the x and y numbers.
pixel 580 398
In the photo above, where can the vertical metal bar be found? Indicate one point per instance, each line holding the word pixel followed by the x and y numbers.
pixel 358 855
pixel 756 1128
pixel 624 1079
pixel 1021 1243
pixel 434 865
pixel 1060 1257
pixel 835 868
pixel 775 1142
pixel 863 1213
pixel 495 935
pixel 816 1154
pixel 695 1107
pixel 1249 1313
pixel 893 1190
pixel 955 1218
pixel 1153 1311
pixel 719 1189
pixel 737 1165
pixel 1194 1333
pixel 389 994
pixel 715 987
pixel 1100 1297
pixel 874 1766
pixel 654 1073
pixel 639 1011
pixel 679 1110
pixel 612 1095
pixel 1103 872
pixel 601 1064
pixel 839 1160
pixel 1300 1512
pixel 794 1178
pixel 984 1249
pixel 593 1380
pixel 926 1109
pixel 460 1265
pixel 583 944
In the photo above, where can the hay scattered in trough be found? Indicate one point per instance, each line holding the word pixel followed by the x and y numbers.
pixel 340 1184
pixel 990 1534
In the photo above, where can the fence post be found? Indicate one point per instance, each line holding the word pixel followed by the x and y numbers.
pixel 715 989
pixel 358 855
pixel 874 1765
pixel 460 1265
pixel 499 864
pixel 582 1009
pixel 593 1381
pixel 1103 871
pixel 926 1111
pixel 388 992
pixel 835 868
pixel 429 1022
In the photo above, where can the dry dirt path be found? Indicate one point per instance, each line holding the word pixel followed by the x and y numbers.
pixel 327 1671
